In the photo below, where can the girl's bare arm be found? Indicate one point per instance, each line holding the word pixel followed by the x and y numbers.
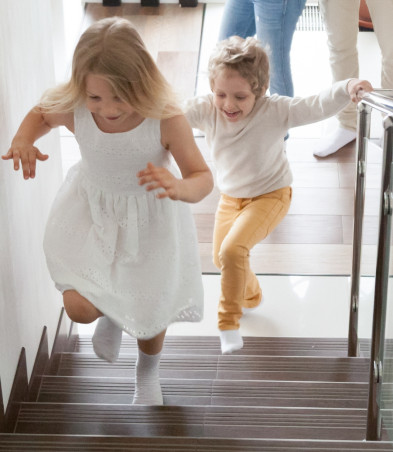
pixel 34 125
pixel 197 181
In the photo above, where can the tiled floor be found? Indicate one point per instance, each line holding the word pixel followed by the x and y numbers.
pixel 315 238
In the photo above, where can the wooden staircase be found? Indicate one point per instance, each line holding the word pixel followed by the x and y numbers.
pixel 276 394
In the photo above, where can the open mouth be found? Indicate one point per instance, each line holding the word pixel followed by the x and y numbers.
pixel 232 115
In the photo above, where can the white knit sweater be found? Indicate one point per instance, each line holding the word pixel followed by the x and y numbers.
pixel 249 155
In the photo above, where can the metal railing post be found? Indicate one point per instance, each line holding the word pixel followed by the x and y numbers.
pixel 363 132
pixel 381 288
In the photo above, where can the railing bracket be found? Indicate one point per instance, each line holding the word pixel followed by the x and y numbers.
pixel 355 303
pixel 387 203
pixel 362 168
pixel 377 371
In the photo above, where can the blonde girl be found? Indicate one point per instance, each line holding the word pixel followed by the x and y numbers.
pixel 245 130
pixel 120 241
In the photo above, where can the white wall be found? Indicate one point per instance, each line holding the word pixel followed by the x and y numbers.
pixel 28 300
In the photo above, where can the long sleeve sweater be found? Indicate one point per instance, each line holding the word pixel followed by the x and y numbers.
pixel 249 155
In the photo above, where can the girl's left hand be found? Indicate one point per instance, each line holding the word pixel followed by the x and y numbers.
pixel 158 177
pixel 356 89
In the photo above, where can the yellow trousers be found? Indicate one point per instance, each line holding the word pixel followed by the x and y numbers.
pixel 241 223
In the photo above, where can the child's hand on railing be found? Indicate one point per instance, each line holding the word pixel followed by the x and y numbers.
pixel 357 88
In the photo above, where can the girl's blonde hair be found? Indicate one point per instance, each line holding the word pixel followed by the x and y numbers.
pixel 113 49
pixel 247 57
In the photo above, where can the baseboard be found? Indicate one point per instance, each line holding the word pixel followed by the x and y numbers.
pixel 40 364
pixel 22 390
pixel 19 393
pixel 2 417
pixel 64 341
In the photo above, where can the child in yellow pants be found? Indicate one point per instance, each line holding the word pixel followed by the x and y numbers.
pixel 245 130
pixel 235 234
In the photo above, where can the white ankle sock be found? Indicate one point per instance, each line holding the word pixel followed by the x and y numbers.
pixel 107 339
pixel 147 380
pixel 231 340
pixel 334 141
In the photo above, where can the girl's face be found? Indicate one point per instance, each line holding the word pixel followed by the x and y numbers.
pixel 232 95
pixel 110 113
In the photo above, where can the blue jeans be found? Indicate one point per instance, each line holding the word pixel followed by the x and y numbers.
pixel 274 22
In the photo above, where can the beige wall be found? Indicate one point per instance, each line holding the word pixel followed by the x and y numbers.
pixel 28 300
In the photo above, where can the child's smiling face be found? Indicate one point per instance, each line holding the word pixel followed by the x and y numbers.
pixel 111 113
pixel 232 95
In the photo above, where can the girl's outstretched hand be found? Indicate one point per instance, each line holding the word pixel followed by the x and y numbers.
pixel 356 89
pixel 26 155
pixel 158 177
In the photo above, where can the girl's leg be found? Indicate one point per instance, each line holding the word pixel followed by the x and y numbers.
pixel 256 218
pixel 238 19
pixel 147 379
pixel 275 25
pixel 107 336
pixel 78 308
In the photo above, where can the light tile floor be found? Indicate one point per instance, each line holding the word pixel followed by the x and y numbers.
pixel 292 306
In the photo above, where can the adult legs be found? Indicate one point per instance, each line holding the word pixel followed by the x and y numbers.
pixel 341 20
pixel 275 25
pixel 240 224
pixel 381 12
pixel 238 19
pixel 147 379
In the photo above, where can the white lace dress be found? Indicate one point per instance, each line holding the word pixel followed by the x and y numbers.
pixel 135 257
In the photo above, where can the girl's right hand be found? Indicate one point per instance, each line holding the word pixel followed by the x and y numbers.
pixel 26 155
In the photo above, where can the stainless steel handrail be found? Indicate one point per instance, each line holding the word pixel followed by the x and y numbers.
pixel 381 100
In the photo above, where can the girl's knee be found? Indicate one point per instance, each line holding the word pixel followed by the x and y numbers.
pixel 78 308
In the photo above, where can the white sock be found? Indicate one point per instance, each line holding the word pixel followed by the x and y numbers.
pixel 334 141
pixel 107 339
pixel 231 340
pixel 147 380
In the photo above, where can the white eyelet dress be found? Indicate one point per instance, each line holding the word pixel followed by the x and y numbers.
pixel 135 257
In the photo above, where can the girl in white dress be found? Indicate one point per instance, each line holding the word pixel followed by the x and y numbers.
pixel 120 241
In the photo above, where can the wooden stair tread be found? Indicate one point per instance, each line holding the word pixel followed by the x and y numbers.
pixel 210 345
pixel 115 390
pixel 205 421
pixel 229 367
pixel 67 443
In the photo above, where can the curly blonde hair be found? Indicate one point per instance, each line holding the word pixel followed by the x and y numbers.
pixel 113 49
pixel 247 57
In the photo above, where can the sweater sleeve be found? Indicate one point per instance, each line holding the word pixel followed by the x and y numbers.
pixel 199 111
pixel 306 110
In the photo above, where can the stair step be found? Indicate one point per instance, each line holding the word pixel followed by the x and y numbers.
pixel 210 345
pixel 194 421
pixel 67 443
pixel 112 390
pixel 224 367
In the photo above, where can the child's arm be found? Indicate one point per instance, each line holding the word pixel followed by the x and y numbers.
pixel 306 110
pixel 34 125
pixel 197 181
